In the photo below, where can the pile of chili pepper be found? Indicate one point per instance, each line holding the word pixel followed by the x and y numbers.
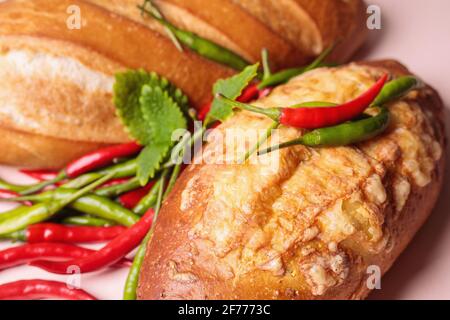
pixel 336 125
pixel 194 42
pixel 82 206
pixel 96 198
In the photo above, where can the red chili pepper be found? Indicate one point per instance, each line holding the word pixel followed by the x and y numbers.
pixel 319 117
pixel 27 253
pixel 41 289
pixel 40 175
pixel 111 253
pixel 51 232
pixel 204 110
pixel 7 194
pixel 100 158
pixel 250 93
pixel 130 199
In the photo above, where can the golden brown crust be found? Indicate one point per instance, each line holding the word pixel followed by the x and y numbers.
pixel 241 29
pixel 57 89
pixel 310 228
pixel 107 33
pixel 76 105
pixel 26 150
pixel 312 26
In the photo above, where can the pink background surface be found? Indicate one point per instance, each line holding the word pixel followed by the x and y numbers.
pixel 417 33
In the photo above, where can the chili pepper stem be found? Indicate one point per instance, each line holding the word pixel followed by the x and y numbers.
pixel 263 139
pixel 285 75
pixel 183 144
pixel 266 64
pixel 288 144
pixel 133 275
pixel 155 13
pixel 202 46
pixel 272 113
pixel 173 178
pixel 38 187
pixel 318 61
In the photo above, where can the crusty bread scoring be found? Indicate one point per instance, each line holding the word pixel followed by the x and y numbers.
pixel 309 228
pixel 57 81
pixel 312 26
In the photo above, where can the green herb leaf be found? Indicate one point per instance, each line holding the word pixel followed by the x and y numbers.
pixel 127 91
pixel 231 88
pixel 149 161
pixel 162 117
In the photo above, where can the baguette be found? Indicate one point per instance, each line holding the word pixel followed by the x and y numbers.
pixel 312 26
pixel 36 152
pixel 57 82
pixel 311 227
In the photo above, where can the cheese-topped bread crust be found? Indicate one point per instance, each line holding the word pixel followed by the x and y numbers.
pixel 310 225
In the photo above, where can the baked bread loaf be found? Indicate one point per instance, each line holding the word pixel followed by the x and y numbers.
pixel 57 81
pixel 310 227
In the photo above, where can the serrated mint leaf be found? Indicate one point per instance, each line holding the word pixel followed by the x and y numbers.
pixel 163 117
pixel 149 161
pixel 231 88
pixel 161 114
pixel 127 92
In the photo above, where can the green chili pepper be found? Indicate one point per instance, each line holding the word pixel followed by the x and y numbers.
pixel 286 75
pixel 106 209
pixel 117 190
pixel 315 104
pixel 82 181
pixel 91 204
pixel 133 275
pixel 148 201
pixel 395 89
pixel 203 47
pixel 341 135
pixel 41 185
pixel 19 218
pixel 11 187
pixel 173 178
pixel 15 236
pixel 87 221
pixel 121 170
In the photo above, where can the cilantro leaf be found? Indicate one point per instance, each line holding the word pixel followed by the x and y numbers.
pixel 162 116
pixel 231 88
pixel 127 91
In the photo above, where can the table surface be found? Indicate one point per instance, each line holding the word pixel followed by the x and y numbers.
pixel 415 32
